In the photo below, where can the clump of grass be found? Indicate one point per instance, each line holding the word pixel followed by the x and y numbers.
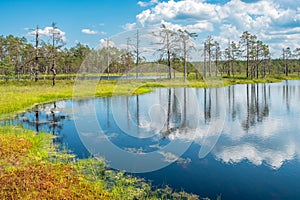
pixel 48 181
pixel 27 172
pixel 19 146
pixel 12 146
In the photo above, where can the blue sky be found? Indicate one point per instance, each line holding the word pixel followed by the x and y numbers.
pixel 276 22
pixel 72 16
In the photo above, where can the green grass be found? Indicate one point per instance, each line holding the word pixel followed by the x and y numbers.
pixel 17 96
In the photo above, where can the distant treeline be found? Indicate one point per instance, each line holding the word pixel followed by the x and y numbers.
pixel 249 57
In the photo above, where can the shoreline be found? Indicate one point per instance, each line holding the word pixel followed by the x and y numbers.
pixel 105 88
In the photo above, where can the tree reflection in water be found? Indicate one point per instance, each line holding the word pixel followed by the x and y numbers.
pixel 48 118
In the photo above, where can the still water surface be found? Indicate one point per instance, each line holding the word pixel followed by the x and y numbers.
pixel 253 133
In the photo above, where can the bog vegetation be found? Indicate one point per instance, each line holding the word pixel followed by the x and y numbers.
pixel 30 168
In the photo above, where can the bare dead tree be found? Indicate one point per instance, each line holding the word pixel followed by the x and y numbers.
pixel 187 46
pixel 137 53
pixel 168 42
pixel 127 56
pixel 209 45
pixel 55 36
pixel 204 61
pixel 108 55
pixel 36 54
pixel 217 56
pixel 286 54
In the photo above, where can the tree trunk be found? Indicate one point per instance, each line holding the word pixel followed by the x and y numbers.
pixel 37 54
pixel 184 61
pixel 247 67
pixel 54 76
pixel 169 64
pixel 204 68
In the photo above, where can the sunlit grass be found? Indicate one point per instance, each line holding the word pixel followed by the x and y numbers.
pixel 19 95
pixel 16 96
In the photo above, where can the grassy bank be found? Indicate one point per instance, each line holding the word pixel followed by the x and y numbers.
pixel 30 168
pixel 16 96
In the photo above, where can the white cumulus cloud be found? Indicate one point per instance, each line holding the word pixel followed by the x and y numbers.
pixel 129 26
pixel 89 32
pixel 224 21
pixel 103 43
pixel 48 31
pixel 145 4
